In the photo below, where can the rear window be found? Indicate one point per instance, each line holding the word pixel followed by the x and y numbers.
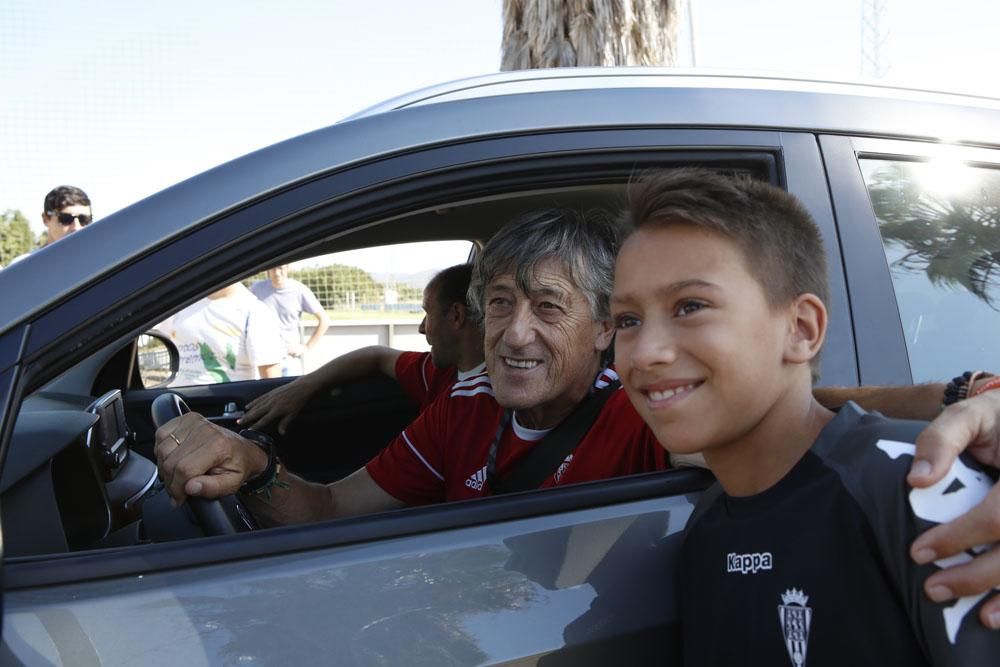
pixel 940 227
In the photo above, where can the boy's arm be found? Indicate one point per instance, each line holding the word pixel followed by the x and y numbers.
pixel 971 426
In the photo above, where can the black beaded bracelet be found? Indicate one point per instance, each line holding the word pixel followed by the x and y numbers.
pixel 958 389
pixel 266 478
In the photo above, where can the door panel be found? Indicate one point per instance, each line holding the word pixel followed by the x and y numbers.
pixel 560 586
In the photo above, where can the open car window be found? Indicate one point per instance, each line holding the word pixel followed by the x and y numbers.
pixel 366 272
pixel 369 296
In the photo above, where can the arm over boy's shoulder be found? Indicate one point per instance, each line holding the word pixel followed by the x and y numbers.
pixel 872 455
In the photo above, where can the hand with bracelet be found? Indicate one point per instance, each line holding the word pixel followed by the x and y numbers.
pixel 198 458
pixel 970 422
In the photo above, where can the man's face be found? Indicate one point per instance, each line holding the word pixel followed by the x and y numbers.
pixel 543 346
pixel 699 349
pixel 278 276
pixel 65 221
pixel 438 328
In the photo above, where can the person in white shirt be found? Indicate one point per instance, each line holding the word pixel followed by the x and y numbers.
pixel 227 336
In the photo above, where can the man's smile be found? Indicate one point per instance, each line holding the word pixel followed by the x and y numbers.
pixel 526 364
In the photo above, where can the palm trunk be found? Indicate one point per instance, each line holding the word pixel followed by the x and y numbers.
pixel 582 33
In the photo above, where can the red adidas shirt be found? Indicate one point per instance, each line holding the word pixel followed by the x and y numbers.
pixel 442 455
pixel 423 381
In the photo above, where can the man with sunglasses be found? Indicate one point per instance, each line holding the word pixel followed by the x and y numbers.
pixel 67 209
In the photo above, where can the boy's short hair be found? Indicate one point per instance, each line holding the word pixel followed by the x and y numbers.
pixel 63 196
pixel 779 240
pixel 782 245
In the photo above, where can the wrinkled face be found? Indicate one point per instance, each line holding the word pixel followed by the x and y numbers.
pixel 57 230
pixel 438 328
pixel 543 346
pixel 278 275
pixel 699 349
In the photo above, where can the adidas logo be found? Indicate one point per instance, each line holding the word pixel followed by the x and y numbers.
pixel 477 480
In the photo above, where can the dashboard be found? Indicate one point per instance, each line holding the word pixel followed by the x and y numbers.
pixel 71 481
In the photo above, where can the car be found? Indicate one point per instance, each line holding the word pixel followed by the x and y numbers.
pixel 100 568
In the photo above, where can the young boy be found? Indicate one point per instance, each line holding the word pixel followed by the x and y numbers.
pixel 798 556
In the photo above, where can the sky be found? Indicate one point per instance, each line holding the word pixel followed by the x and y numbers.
pixel 124 98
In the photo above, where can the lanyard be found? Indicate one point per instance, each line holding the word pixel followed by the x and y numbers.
pixel 491 462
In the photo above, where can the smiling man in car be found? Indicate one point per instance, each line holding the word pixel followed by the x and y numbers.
pixel 548 412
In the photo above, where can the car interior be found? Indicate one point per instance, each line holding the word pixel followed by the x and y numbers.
pixel 80 474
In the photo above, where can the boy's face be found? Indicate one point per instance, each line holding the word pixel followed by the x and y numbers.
pixel 700 351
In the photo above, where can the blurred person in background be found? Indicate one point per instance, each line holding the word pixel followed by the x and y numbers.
pixel 227 336
pixel 456 355
pixel 289 298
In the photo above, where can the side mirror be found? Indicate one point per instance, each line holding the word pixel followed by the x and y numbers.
pixel 158 359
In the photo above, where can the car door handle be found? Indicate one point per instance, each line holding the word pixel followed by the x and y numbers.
pixel 231 412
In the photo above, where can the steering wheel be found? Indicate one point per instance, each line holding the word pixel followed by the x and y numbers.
pixel 218 516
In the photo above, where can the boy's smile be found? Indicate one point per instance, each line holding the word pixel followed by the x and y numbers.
pixel 701 352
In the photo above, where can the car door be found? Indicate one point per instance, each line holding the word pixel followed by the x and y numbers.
pixel 563 576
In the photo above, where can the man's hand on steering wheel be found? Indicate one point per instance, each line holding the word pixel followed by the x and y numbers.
pixel 200 459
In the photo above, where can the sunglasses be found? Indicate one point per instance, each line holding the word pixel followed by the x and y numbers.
pixel 68 218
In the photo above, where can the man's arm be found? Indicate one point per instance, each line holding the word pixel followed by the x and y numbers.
pixel 285 402
pixel 321 326
pixel 303 501
pixel 270 371
pixel 211 462
pixel 921 401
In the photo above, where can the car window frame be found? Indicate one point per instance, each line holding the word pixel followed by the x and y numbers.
pixel 262 232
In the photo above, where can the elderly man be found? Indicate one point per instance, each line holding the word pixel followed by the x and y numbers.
pixel 542 285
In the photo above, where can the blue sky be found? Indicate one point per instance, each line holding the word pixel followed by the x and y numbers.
pixel 125 98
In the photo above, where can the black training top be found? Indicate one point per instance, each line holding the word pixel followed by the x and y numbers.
pixel 816 570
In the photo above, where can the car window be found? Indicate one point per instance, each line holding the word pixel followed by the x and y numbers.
pixel 940 228
pixel 264 325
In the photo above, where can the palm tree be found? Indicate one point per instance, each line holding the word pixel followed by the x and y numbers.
pixel 954 241
pixel 582 33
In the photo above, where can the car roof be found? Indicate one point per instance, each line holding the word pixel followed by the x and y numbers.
pixel 489 106
pixel 583 78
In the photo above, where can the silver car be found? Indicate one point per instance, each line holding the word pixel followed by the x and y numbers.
pixel 99 568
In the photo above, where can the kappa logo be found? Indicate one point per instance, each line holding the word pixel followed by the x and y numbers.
pixel 477 480
pixel 749 563
pixel 795 619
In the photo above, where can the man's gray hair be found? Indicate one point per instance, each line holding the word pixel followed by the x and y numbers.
pixel 584 242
